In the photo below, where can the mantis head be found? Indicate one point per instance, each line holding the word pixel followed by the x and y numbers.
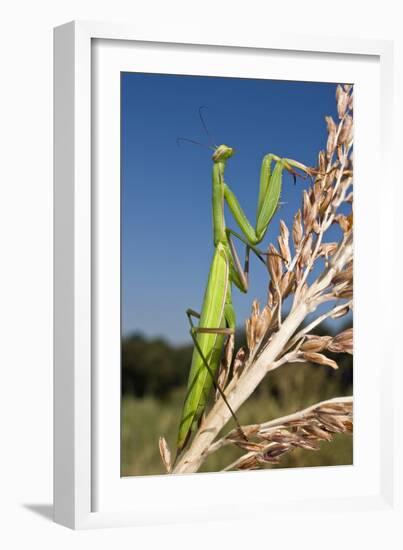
pixel 222 152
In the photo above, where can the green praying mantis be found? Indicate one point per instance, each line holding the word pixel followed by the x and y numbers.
pixel 217 318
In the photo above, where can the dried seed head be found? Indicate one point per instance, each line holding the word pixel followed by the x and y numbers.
pixel 339 91
pixel 284 249
pixel 340 153
pixel 274 451
pixel 340 313
pixel 320 359
pixel 325 201
pixel 317 191
pixel 229 349
pixel 327 249
pixel 310 445
pixel 331 140
pixel 315 343
pixel 322 162
pixel 165 454
pixel 306 251
pixel 248 463
pixel 279 436
pixel 297 232
pixel 270 297
pixel 343 342
pixel 260 329
pixel 284 230
pixel 248 445
pixel 283 241
pixel 223 372
pixel 351 102
pixel 345 276
pixel 257 324
pixel 342 101
pixel 318 433
pixel 286 284
pixel 311 218
pixel 343 290
pixel 225 365
pixel 306 206
pixel 239 362
pixel 331 125
pixel 332 423
pixel 346 132
pixel 345 222
pixel 298 273
pixel 304 431
pixel 274 264
pixel 348 425
pixel 267 315
pixel 329 178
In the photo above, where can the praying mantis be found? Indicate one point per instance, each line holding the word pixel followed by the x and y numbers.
pixel 217 318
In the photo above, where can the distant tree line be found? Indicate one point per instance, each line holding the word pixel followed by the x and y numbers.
pixel 154 367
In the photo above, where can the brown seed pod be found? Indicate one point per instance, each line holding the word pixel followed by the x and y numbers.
pixel 340 313
pixel 248 463
pixel 342 101
pixel 306 251
pixel 274 264
pixel 346 132
pixel 297 231
pixel 275 451
pixel 320 359
pixel 165 454
pixel 331 140
pixel 343 342
pixel 239 362
pixel 316 343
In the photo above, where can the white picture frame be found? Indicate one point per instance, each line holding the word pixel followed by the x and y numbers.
pixel 87 489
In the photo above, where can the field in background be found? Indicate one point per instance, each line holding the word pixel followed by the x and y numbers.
pixel 153 378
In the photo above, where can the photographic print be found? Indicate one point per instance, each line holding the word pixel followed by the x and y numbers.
pixel 236 274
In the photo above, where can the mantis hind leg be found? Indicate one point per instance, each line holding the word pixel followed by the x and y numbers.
pixel 203 330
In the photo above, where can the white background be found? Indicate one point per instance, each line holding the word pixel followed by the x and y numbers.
pixel 26 267
pixel 109 490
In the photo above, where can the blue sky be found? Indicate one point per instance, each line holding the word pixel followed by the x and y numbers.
pixel 166 190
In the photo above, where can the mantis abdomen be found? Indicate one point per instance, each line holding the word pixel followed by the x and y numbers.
pixel 210 344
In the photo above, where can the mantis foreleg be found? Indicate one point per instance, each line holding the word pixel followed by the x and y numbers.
pixel 269 196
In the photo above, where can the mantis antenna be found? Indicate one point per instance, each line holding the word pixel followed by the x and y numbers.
pixel 205 126
pixel 179 139
pixel 211 146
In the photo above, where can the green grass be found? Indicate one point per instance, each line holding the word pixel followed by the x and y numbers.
pixel 287 390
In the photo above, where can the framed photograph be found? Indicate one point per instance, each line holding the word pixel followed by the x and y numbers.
pixel 205 249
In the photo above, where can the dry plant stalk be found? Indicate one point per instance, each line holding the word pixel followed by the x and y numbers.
pixel 274 340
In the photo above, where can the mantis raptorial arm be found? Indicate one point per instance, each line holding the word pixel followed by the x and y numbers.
pixel 269 196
